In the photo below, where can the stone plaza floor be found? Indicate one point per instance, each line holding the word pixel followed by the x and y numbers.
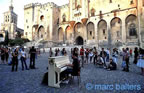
pixel 29 81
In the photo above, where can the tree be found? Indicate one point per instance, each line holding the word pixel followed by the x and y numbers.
pixel 6 41
pixel 18 41
pixel 18 34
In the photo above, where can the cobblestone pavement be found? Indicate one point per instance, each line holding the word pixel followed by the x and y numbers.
pixel 29 81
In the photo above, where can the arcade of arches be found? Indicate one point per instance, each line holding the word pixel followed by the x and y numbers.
pixel 101 32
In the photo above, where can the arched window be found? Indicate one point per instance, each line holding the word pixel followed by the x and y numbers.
pixel 64 18
pixel 131 2
pixel 132 30
pixel 92 12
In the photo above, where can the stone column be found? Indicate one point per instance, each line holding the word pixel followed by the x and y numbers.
pixel 64 36
pixel 96 34
pixel 109 34
pixel 140 22
pixel 73 35
pixel 123 32
pixel 84 28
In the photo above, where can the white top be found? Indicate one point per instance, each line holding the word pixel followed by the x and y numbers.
pixel 23 53
pixel 90 54
pixel 108 52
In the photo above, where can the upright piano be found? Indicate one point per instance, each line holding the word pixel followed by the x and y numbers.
pixel 56 66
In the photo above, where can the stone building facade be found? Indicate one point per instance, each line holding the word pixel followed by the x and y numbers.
pixel 10 24
pixel 87 22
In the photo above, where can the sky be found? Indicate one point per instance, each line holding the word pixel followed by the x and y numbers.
pixel 19 8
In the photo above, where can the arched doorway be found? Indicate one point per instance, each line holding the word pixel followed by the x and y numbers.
pixel 60 34
pixel 41 32
pixel 131 27
pixel 79 40
pixel 116 30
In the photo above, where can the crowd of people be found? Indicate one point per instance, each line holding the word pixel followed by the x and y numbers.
pixel 12 56
pixel 105 58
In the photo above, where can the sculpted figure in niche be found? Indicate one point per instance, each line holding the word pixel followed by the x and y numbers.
pixel 78 3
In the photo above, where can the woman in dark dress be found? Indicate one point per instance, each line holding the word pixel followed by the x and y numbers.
pixel 136 53
pixel 15 60
pixel 7 54
pixel 2 55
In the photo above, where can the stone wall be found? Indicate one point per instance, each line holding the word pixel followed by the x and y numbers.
pixel 94 22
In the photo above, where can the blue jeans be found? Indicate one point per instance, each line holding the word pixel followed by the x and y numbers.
pixel 23 61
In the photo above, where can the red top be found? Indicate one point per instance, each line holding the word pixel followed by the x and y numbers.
pixel 81 52
pixel 131 51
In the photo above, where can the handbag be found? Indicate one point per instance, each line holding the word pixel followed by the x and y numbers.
pixel 123 64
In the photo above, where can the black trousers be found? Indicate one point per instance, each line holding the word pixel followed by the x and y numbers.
pixel 14 64
pixel 127 65
pixel 32 62
pixel 95 59
pixel 135 60
pixel 82 60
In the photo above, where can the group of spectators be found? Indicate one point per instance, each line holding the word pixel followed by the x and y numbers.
pixel 106 58
pixel 12 56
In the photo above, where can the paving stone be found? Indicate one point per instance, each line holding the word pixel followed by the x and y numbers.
pixel 29 81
